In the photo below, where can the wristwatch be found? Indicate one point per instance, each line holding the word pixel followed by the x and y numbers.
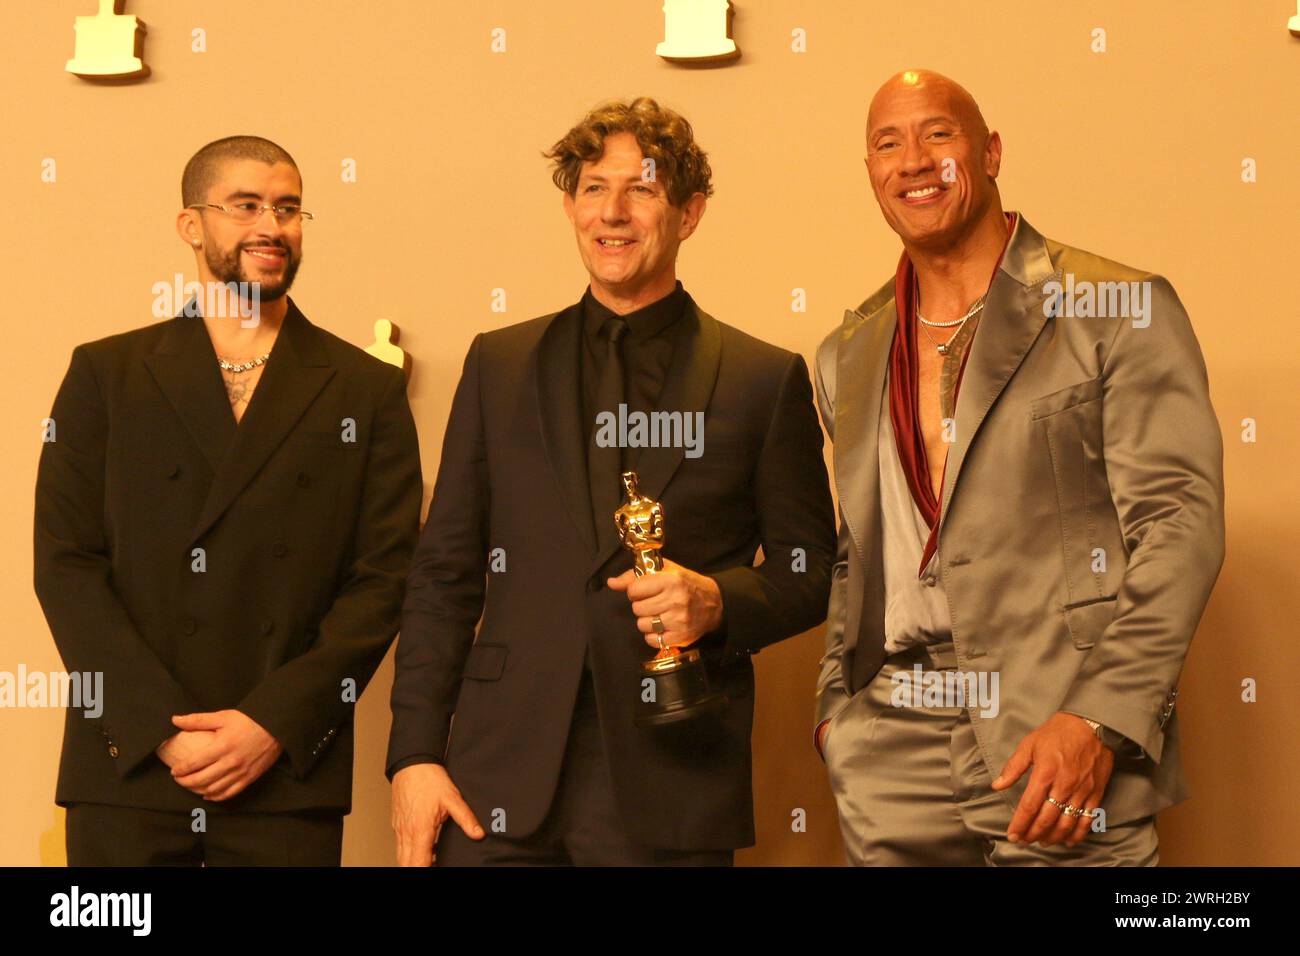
pixel 1110 738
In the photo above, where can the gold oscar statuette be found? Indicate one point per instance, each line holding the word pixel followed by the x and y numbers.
pixel 679 686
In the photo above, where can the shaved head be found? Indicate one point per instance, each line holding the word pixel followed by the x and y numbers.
pixel 932 161
pixel 935 88
pixel 204 167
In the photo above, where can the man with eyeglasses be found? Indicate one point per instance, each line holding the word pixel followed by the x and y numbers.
pixel 226 505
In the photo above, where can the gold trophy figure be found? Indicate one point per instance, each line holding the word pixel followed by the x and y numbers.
pixel 679 684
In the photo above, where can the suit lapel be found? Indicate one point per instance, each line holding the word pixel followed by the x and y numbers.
pixel 297 371
pixel 185 367
pixel 559 410
pixel 862 360
pixel 1013 317
pixel 1012 321
pixel 687 389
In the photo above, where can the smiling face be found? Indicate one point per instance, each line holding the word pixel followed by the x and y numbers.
pixel 932 162
pixel 628 230
pixel 264 251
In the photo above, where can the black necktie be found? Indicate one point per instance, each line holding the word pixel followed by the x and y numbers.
pixel 605 465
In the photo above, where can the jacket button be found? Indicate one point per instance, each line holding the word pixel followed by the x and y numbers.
pixel 189 625
pixel 113 751
pixel 268 627
pixel 279 549
pixel 930 581
pixel 303 479
pixel 595 584
pixel 171 471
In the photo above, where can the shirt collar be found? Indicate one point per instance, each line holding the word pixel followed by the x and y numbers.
pixel 644 323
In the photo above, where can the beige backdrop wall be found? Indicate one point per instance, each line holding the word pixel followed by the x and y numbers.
pixel 1135 153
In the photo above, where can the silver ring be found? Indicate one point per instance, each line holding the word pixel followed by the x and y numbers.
pixel 1069 809
pixel 658 625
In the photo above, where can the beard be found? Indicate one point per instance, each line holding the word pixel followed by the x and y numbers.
pixel 229 268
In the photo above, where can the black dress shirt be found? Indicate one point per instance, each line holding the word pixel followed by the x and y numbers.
pixel 647 353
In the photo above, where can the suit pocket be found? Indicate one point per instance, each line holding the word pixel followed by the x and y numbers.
pixel 850 738
pixel 1088 620
pixel 1065 398
pixel 485 662
pixel 1070 423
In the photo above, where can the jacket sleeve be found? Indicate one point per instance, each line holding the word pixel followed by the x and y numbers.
pixel 775 600
pixel 831 692
pixel 445 587
pixel 1164 465
pixel 302 703
pixel 73 578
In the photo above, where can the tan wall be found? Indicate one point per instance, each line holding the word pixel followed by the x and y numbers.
pixel 1134 154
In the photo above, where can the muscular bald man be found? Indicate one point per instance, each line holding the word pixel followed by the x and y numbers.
pixel 1031 521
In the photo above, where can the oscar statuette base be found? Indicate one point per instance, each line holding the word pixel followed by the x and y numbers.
pixel 681 691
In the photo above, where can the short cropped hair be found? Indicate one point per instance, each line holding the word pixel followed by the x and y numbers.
pixel 663 135
pixel 203 168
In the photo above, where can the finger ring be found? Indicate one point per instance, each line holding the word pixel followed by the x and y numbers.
pixel 1059 805
pixel 657 624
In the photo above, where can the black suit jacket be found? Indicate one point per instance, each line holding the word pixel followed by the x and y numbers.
pixel 306 539
pixel 513 476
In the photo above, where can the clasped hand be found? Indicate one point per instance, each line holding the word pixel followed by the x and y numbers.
pixel 219 754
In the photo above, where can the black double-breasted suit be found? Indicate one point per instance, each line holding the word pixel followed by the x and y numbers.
pixel 201 565
pixel 511 539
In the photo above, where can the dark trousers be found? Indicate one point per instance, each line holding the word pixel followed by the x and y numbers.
pixel 101 835
pixel 582 827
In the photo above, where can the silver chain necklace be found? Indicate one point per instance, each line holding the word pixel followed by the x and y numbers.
pixel 942 347
pixel 238 367
pixel 979 304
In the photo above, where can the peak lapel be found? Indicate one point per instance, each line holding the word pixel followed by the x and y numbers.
pixel 295 374
pixel 184 365
pixel 862 360
pixel 1013 317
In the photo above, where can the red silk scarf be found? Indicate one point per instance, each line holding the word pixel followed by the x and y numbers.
pixel 903 400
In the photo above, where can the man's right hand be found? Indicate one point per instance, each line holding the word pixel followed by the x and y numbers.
pixel 423 798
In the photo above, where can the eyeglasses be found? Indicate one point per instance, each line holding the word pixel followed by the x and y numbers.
pixel 249 212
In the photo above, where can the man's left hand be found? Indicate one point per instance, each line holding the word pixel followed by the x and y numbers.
pixel 688 604
pixel 1070 764
pixel 240 752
